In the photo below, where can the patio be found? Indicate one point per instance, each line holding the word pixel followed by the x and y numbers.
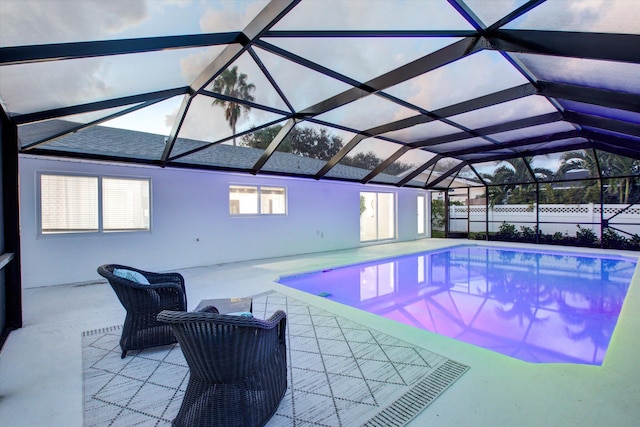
pixel 40 364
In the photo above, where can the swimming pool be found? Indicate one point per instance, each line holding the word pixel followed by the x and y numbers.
pixel 541 307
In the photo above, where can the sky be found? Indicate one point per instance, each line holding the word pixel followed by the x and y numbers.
pixel 61 83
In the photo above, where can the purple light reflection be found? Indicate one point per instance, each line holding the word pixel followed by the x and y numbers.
pixel 540 307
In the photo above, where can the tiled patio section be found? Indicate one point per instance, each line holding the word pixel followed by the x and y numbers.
pixel 339 373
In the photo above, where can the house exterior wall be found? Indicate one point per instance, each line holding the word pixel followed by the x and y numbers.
pixel 191 225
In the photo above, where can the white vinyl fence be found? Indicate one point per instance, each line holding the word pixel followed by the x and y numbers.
pixel 553 218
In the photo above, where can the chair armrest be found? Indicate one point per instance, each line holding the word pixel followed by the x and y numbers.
pixel 164 277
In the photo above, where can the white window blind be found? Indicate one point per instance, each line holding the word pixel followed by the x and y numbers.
pixel 125 204
pixel 68 203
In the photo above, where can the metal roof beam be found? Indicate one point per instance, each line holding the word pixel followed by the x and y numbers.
pixel 468 14
pixel 382 166
pixel 629 144
pixel 211 144
pixel 589 95
pixel 445 175
pixel 488 130
pixel 515 144
pixel 266 155
pixel 339 156
pixel 515 14
pixel 406 72
pixel 372 33
pixel 615 149
pixel 478 103
pixel 601 46
pixel 604 123
pixel 419 170
pixel 89 49
pixel 97 106
pixel 81 126
pixel 536 152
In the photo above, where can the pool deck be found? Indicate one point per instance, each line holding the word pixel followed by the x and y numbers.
pixel 41 364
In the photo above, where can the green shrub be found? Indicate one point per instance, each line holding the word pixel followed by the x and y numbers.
pixel 612 240
pixel 634 242
pixel 528 234
pixel 474 235
pixel 558 238
pixel 586 237
pixel 507 232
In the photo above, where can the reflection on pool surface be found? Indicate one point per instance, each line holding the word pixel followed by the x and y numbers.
pixel 540 307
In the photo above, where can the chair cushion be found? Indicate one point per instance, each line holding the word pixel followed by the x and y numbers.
pixel 134 276
pixel 241 313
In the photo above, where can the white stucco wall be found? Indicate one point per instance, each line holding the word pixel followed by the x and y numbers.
pixel 190 223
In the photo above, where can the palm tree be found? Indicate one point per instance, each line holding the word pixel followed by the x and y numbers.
pixel 233 85
pixel 588 190
pixel 511 181
pixel 620 166
pixel 611 165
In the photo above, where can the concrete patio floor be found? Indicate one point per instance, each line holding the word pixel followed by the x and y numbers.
pixel 41 376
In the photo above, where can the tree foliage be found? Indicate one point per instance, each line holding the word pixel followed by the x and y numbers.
pixel 317 144
pixel 512 182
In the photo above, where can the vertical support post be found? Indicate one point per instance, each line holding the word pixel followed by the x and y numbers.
pixel 10 238
pixel 602 220
pixel 446 213
pixel 486 212
pixel 537 212
pixel 468 211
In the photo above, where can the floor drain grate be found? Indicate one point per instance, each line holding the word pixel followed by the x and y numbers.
pixel 417 399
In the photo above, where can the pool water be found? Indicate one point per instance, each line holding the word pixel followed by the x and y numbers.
pixel 541 307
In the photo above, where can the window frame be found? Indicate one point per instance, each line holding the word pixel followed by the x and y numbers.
pixel 259 208
pixel 99 204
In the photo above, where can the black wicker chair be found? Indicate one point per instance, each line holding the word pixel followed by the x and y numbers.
pixel 143 302
pixel 238 367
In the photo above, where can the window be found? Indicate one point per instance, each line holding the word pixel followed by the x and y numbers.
pixel 69 204
pixel 377 216
pixel 82 204
pixel 254 200
pixel 125 204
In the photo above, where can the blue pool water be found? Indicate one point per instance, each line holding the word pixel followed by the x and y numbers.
pixel 542 307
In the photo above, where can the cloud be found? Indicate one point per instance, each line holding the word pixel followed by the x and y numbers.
pixel 230 15
pixel 368 14
pixel 455 82
pixel 33 87
pixel 26 22
pixel 192 65
pixel 582 15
